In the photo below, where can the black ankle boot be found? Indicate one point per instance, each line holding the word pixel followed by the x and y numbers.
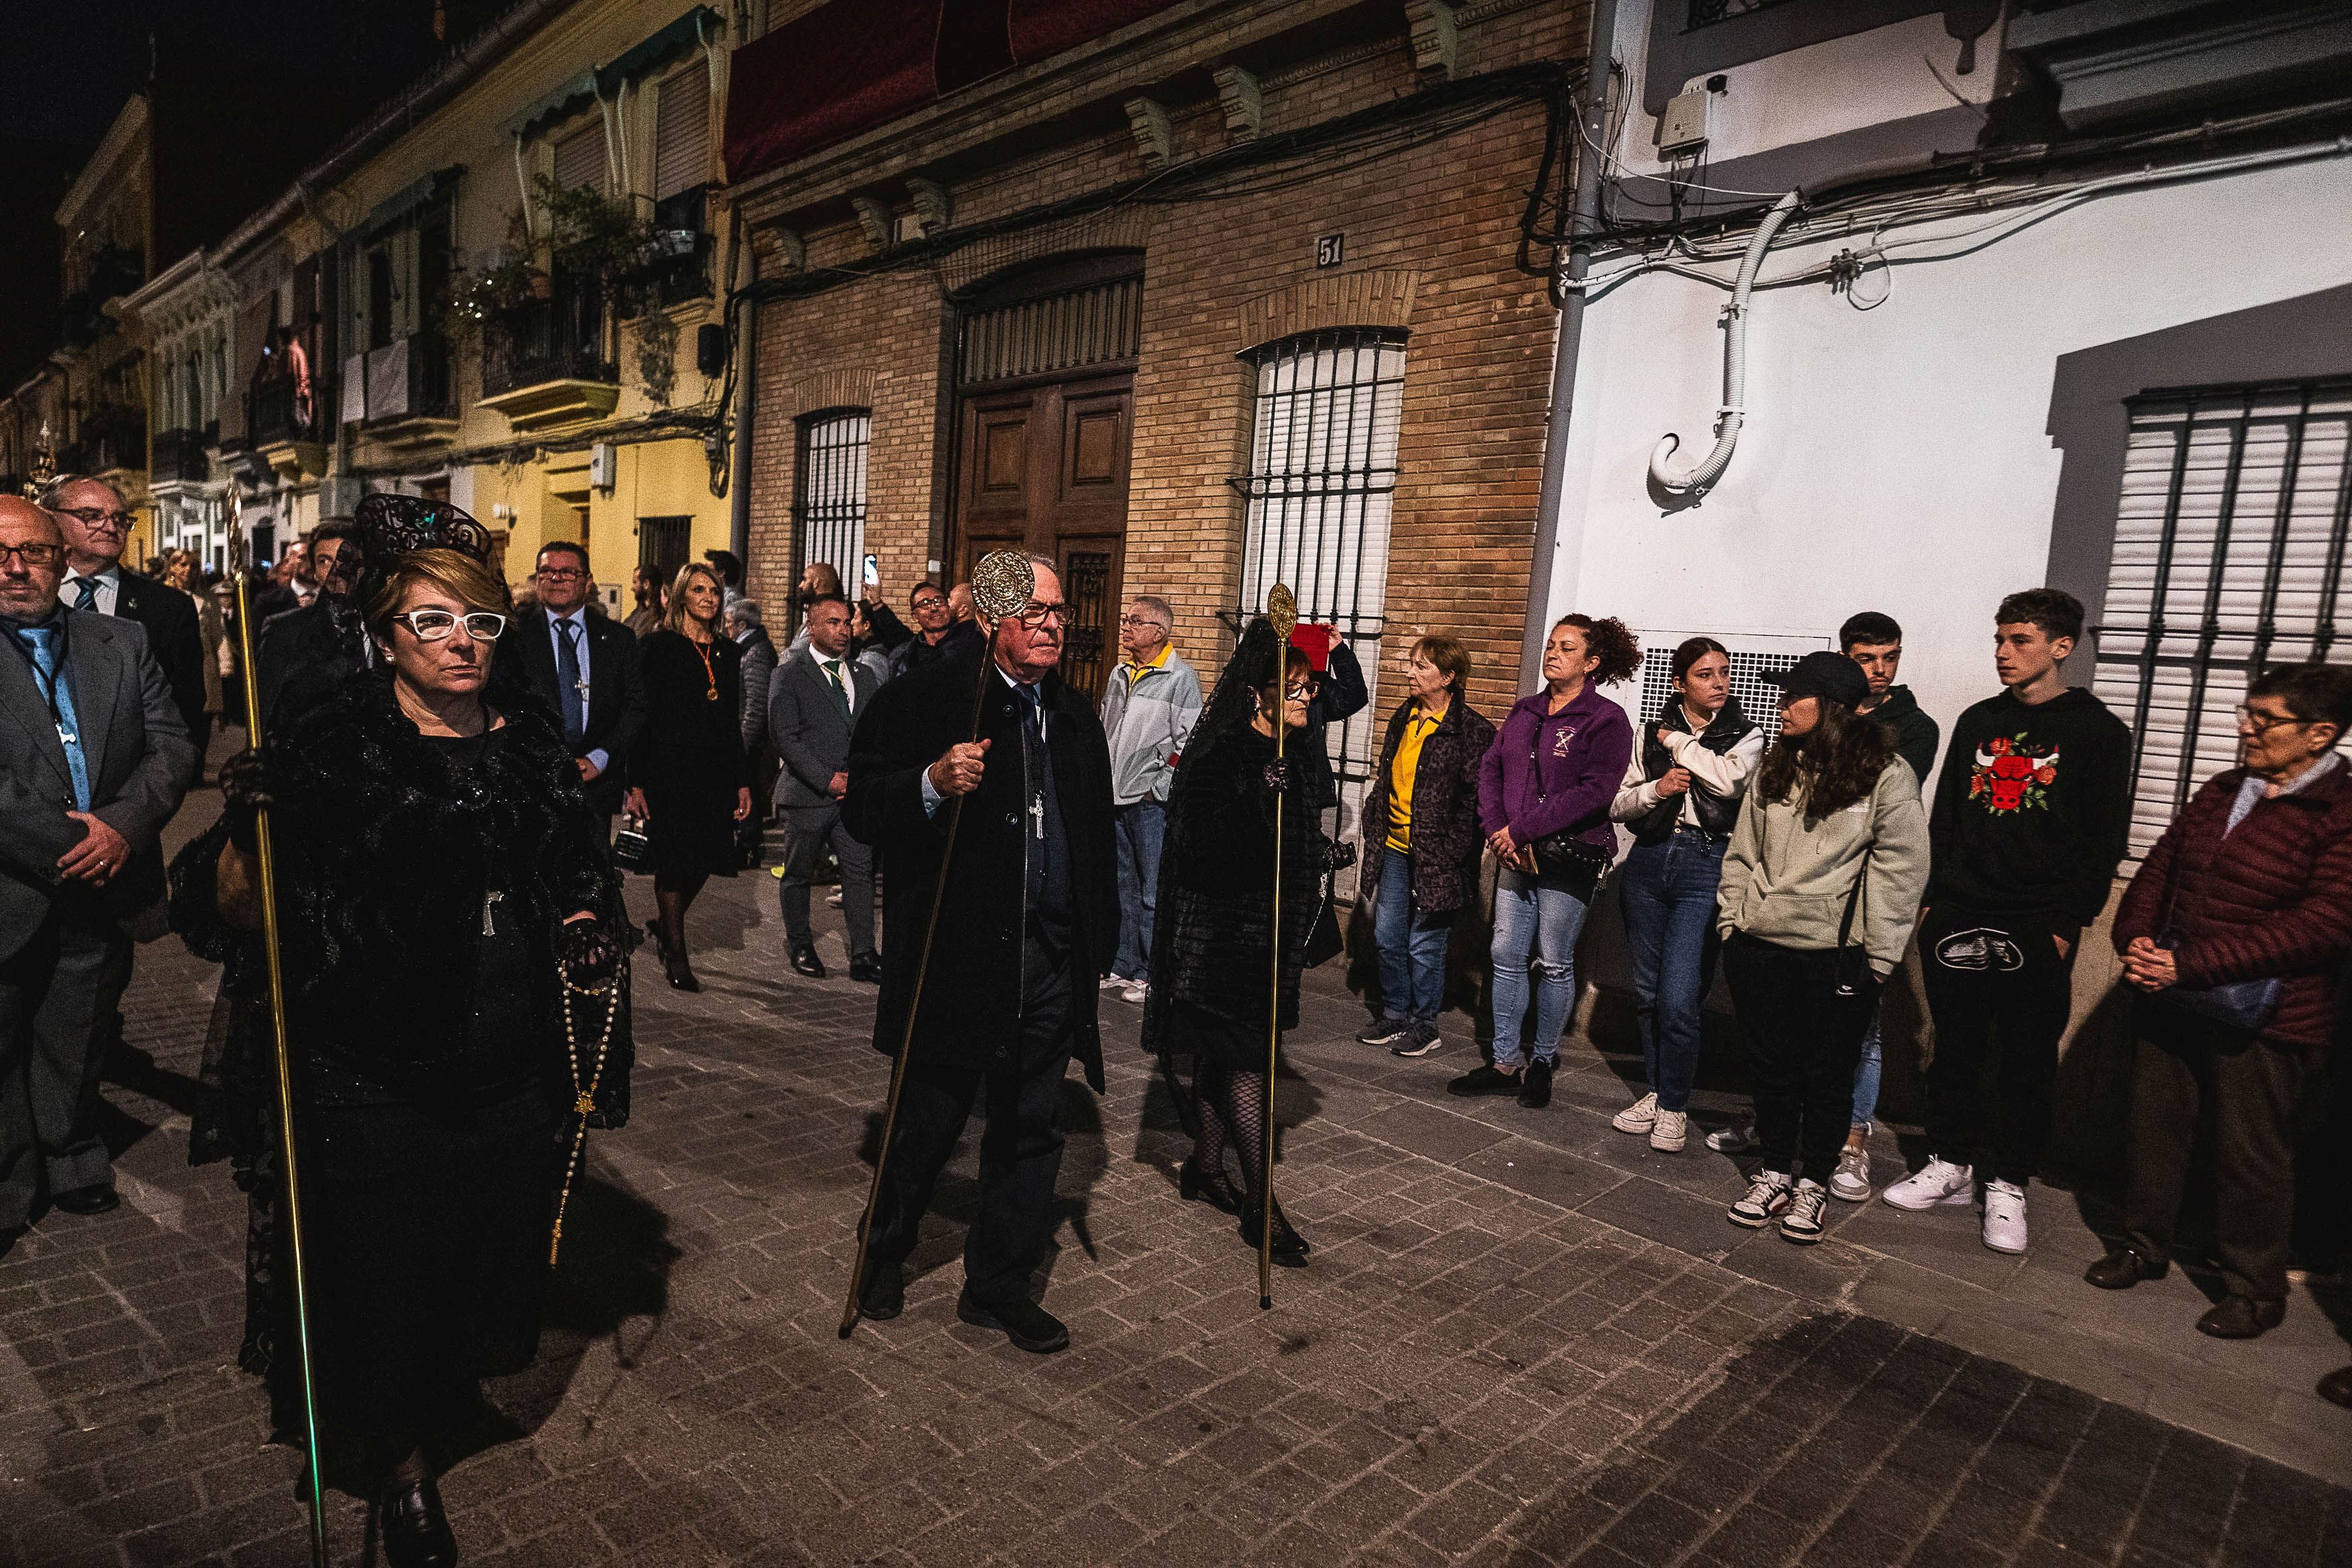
pixel 1289 1247
pixel 1210 1186
pixel 412 1527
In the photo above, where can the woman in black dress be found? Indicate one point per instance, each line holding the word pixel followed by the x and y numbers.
pixel 439 891
pixel 693 779
pixel 1212 952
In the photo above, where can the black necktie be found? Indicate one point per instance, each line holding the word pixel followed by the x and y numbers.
pixel 567 673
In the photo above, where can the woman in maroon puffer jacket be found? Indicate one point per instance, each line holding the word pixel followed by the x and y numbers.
pixel 2252 882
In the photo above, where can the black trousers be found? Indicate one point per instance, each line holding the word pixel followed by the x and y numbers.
pixel 2182 1065
pixel 1802 1042
pixel 54 994
pixel 429 1228
pixel 1020 1151
pixel 1988 978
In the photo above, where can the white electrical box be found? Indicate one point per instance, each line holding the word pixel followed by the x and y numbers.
pixel 1683 127
pixel 604 466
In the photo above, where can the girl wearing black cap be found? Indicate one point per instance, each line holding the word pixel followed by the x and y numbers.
pixel 1821 886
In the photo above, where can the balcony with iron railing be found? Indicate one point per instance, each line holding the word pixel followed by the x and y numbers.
pixel 179 458
pixel 282 427
pixel 543 363
pixel 408 401
pixel 111 438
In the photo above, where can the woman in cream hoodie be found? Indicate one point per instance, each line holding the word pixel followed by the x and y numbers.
pixel 1821 887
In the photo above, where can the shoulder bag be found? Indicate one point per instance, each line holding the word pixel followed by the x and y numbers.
pixel 1562 857
pixel 1854 973
pixel 2243 1006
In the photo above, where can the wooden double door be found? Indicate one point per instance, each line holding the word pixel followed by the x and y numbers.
pixel 1044 469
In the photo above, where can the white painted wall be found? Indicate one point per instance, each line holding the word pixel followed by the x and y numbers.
pixel 1898 460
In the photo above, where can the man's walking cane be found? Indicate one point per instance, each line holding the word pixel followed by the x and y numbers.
pixel 1282 610
pixel 1001 585
pixel 293 1202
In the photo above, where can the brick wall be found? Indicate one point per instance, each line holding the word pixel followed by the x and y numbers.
pixel 1478 361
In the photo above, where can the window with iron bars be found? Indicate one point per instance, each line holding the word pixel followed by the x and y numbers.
pixel 829 504
pixel 1322 480
pixel 1707 13
pixel 2229 560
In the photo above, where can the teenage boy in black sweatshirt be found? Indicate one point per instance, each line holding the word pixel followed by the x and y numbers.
pixel 2032 814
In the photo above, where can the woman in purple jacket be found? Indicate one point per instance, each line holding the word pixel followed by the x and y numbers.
pixel 1553 769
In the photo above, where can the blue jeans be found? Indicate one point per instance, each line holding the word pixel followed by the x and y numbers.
pixel 1533 920
pixel 1865 1076
pixel 1412 944
pixel 1137 829
pixel 1668 890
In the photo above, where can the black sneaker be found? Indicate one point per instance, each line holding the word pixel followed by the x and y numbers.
pixel 1025 1323
pixel 1384 1031
pixel 1535 1084
pixel 1423 1040
pixel 1483 1079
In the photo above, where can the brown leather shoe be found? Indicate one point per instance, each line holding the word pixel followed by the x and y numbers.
pixel 2123 1267
pixel 2336 1387
pixel 2241 1318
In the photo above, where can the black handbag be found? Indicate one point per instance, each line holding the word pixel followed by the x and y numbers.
pixel 2244 1007
pixel 1854 977
pixel 1564 857
pixel 631 851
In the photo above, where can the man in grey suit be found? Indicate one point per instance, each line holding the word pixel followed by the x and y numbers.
pixel 94 758
pixel 813 702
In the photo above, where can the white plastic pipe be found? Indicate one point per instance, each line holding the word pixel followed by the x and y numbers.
pixel 1728 418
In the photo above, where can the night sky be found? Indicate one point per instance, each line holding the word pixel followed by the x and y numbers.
pixel 309 69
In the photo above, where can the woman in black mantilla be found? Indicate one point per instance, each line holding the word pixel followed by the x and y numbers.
pixel 439 890
pixel 693 776
pixel 1212 952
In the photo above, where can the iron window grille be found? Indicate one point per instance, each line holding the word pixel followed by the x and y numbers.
pixel 829 501
pixel 1707 13
pixel 661 545
pixel 1319 496
pixel 1076 329
pixel 2228 560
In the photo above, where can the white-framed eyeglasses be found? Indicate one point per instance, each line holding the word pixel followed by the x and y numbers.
pixel 435 625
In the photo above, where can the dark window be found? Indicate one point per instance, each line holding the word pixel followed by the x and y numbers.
pixel 1322 479
pixel 661 545
pixel 2228 560
pixel 1705 12
pixel 379 288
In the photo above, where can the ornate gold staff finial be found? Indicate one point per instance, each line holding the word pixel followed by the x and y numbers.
pixel 1282 609
pixel 1004 583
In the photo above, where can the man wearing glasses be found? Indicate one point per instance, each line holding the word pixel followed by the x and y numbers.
pixel 1026 927
pixel 93 761
pixel 939 633
pixel 97 525
pixel 584 669
pixel 1152 701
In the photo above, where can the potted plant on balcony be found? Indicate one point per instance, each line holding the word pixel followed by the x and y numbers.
pixel 607 238
pixel 476 299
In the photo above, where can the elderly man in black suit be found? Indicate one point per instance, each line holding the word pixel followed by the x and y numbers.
pixel 1027 926
pixel 813 702
pixel 95 523
pixel 94 758
pixel 583 665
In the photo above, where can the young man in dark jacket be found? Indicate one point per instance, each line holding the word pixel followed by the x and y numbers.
pixel 2032 814
pixel 1875 641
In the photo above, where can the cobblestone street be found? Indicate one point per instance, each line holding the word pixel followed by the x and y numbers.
pixel 1523 1339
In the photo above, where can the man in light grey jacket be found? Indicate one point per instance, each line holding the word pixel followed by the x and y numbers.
pixel 94 758
pixel 1153 703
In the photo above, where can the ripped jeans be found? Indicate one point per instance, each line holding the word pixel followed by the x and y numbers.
pixel 1539 921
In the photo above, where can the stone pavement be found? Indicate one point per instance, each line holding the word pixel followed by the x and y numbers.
pixel 1523 1341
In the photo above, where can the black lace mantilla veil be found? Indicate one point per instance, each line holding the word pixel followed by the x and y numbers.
pixel 1231 704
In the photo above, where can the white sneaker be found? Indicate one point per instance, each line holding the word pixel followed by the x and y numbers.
pixel 1939 1181
pixel 1134 992
pixel 1767 1195
pixel 1802 1223
pixel 1638 1117
pixel 1852 1182
pixel 2004 1217
pixel 1739 1138
pixel 1670 1132
pixel 1114 982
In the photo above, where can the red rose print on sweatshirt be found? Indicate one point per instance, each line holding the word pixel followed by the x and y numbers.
pixel 2011 775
